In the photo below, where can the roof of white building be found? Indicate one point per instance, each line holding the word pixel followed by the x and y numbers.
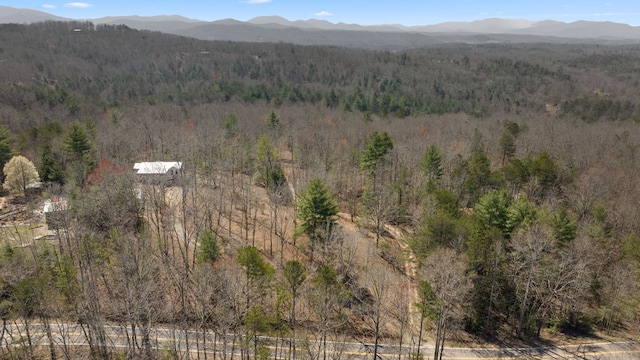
pixel 156 167
pixel 55 204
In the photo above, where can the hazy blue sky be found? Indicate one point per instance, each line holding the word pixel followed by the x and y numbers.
pixel 407 12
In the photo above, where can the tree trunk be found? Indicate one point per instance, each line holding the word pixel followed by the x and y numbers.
pixel 377 336
pixel 523 305
pixel 420 334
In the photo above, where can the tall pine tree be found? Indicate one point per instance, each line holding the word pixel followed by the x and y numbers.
pixel 317 209
pixel 51 166
pixel 80 150
pixel 6 151
pixel 431 166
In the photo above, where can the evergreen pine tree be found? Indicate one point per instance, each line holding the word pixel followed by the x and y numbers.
pixel 431 166
pixel 377 147
pixel 79 147
pixel 51 166
pixel 209 250
pixel 6 151
pixel 317 209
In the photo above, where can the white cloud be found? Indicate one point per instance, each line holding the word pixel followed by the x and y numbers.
pixel 78 5
pixel 48 6
pixel 257 1
pixel 323 13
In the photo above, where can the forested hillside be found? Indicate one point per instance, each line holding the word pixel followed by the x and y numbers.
pixel 473 191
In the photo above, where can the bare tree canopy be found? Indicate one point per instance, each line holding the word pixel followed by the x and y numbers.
pixel 19 172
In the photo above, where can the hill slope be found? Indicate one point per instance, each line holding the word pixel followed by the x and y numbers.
pixel 452 167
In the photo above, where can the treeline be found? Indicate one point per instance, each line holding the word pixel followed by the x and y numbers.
pixel 53 65
pixel 506 217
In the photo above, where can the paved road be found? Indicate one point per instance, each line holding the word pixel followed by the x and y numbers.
pixel 162 338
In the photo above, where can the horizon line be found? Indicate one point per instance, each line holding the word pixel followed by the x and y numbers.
pixel 317 18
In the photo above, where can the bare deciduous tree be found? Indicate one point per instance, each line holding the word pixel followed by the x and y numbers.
pixel 19 172
pixel 379 283
pixel 445 271
pixel 530 249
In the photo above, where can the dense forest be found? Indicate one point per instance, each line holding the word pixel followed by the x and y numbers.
pixel 466 192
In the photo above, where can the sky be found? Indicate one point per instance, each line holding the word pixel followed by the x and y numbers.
pixel 364 12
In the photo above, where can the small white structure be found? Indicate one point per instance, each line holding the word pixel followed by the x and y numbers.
pixel 55 212
pixel 158 170
pixel 55 204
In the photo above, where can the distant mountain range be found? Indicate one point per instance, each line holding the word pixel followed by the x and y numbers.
pixel 388 37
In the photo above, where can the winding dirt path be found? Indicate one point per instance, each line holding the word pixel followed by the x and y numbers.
pixel 410 264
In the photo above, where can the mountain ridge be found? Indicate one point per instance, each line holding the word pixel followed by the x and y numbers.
pixel 382 36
